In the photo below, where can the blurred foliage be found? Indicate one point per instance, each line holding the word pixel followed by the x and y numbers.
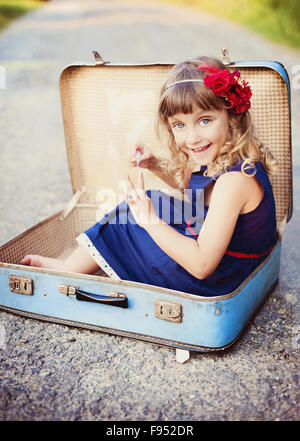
pixel 277 20
pixel 10 9
pixel 289 8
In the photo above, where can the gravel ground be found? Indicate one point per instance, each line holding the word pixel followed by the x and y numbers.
pixel 54 372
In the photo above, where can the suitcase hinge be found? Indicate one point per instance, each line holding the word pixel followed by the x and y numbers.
pixel 21 285
pixel 225 55
pixel 168 311
pixel 98 59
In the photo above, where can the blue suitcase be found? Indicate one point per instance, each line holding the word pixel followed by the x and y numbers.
pixel 98 129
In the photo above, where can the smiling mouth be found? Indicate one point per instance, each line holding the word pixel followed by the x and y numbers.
pixel 201 149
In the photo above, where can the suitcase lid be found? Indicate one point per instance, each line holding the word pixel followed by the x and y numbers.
pixel 106 107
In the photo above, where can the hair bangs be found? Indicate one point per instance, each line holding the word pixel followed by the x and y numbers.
pixel 184 97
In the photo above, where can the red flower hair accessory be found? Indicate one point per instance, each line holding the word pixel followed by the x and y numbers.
pixel 228 85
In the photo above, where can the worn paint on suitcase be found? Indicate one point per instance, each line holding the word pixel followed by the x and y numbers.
pixel 154 314
pixel 150 313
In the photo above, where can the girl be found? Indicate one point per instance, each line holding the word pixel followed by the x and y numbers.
pixel 213 149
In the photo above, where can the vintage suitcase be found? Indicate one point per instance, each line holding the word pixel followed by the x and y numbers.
pixel 104 107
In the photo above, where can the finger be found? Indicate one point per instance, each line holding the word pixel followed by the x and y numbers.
pixel 141 183
pixel 131 184
pixel 138 156
pixel 26 260
pixel 132 156
pixel 136 192
pixel 122 194
pixel 126 197
pixel 132 162
pixel 132 198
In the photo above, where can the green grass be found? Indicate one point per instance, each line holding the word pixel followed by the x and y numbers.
pixel 277 20
pixel 11 9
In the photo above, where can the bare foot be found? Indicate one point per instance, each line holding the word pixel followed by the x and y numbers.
pixel 42 262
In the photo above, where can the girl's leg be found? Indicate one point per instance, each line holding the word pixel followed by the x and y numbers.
pixel 79 261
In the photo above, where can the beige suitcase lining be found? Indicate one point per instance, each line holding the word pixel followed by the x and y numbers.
pixel 106 108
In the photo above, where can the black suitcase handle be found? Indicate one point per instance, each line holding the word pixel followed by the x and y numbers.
pixel 114 299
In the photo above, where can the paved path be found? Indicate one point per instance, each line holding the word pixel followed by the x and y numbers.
pixel 52 372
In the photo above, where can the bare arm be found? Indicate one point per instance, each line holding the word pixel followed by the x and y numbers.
pixel 200 258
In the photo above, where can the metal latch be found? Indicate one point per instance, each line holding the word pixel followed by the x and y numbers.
pixel 165 310
pixel 67 289
pixel 21 285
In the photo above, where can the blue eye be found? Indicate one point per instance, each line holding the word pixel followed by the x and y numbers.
pixel 205 121
pixel 179 125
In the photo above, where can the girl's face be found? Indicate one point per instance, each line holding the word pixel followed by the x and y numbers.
pixel 201 134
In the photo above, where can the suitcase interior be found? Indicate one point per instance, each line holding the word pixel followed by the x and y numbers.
pixel 107 107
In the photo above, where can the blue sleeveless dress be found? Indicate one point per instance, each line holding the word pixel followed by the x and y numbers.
pixel 126 251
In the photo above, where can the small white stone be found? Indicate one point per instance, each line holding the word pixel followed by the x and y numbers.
pixel 182 355
pixel 291 298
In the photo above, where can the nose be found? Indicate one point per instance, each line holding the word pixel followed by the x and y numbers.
pixel 193 137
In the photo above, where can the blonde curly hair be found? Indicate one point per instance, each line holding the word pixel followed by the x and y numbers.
pixel 243 143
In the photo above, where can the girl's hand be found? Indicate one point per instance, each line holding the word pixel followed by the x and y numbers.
pixel 140 156
pixel 140 204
